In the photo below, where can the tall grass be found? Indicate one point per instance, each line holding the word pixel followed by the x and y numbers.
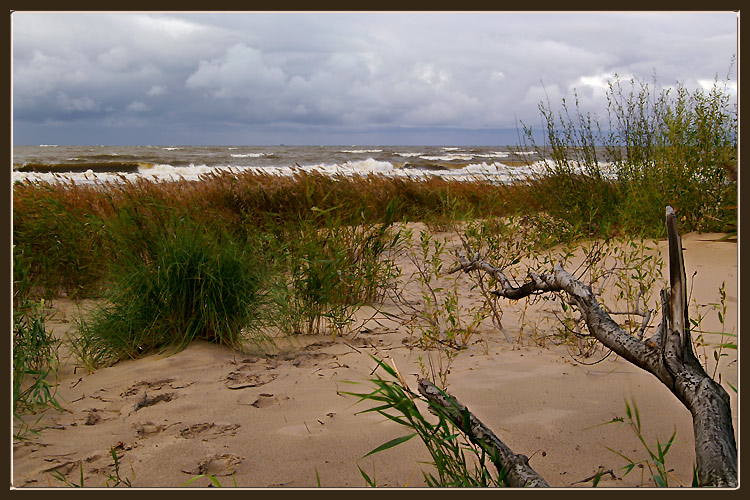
pixel 674 147
pixel 69 229
pixel 186 284
pixel 327 268
pixel 35 353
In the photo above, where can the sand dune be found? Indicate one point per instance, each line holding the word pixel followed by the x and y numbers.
pixel 280 418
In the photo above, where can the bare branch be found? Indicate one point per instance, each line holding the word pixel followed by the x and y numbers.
pixel 668 354
pixel 516 468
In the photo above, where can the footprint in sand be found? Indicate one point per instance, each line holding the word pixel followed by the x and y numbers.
pixel 147 429
pixel 217 465
pixel 196 430
pixel 155 385
pixel 264 401
pixel 150 401
pixel 240 380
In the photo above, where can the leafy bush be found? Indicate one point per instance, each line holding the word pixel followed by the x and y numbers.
pixel 328 269
pixel 677 148
pixel 189 283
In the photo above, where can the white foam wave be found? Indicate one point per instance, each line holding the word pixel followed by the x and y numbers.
pixel 450 157
pixel 409 155
pixel 492 154
pixel 492 171
pixel 361 151
pixel 247 155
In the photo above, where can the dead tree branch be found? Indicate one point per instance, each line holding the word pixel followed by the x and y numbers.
pixel 515 468
pixel 667 355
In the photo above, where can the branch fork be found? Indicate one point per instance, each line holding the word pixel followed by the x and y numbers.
pixel 668 355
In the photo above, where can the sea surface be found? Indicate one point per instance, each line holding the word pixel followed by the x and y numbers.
pixel 97 164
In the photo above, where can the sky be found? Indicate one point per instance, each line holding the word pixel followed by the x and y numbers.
pixel 313 78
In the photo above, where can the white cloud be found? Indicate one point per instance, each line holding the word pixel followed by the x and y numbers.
pixel 240 72
pixel 83 103
pixel 348 69
pixel 155 91
pixel 138 107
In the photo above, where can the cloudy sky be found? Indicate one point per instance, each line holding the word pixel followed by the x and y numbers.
pixel 338 78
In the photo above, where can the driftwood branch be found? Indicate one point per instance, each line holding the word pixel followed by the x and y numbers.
pixel 668 355
pixel 515 468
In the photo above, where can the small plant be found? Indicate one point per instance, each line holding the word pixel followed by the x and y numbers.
pixel 622 274
pixel 113 478
pixel 656 462
pixel 328 269
pixel 67 482
pixel 35 354
pixel 457 461
pixel 441 322
pixel 725 340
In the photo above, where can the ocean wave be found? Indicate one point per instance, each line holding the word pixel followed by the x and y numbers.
pixel 361 151
pixel 247 155
pixel 493 154
pixel 409 155
pixel 484 171
pixel 451 157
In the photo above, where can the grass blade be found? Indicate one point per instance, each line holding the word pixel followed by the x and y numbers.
pixel 391 443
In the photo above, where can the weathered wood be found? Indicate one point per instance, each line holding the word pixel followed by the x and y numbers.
pixel 708 402
pixel 518 473
pixel 668 355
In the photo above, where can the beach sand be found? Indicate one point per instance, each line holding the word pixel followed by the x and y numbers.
pixel 280 418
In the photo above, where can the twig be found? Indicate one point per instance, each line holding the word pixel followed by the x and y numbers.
pixel 598 474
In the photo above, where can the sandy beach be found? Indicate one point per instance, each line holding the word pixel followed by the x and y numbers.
pixel 279 418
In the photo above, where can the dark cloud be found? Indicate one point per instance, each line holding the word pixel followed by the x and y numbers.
pixel 330 78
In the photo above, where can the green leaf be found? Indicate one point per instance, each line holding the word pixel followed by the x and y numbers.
pixel 369 481
pixel 729 345
pixel 596 480
pixel 391 444
pixel 659 480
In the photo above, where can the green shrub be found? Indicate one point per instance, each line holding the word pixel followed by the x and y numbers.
pixel 188 284
pixel 676 148
pixel 327 269
pixel 35 352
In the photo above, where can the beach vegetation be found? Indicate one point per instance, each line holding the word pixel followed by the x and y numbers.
pixel 188 283
pixel 656 461
pixel 326 268
pixel 676 147
pixel 456 460
pixel 35 355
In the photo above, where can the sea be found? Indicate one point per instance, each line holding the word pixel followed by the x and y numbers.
pixel 112 164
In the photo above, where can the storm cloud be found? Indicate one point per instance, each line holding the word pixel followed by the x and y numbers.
pixel 338 78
